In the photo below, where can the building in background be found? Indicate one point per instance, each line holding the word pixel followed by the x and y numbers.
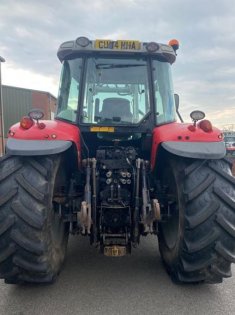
pixel 229 139
pixel 17 102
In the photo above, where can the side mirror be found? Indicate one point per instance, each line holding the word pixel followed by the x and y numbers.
pixel 177 104
pixel 177 101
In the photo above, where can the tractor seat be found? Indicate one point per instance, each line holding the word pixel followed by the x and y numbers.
pixel 116 107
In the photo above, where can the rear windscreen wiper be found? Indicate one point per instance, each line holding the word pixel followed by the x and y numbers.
pixel 111 66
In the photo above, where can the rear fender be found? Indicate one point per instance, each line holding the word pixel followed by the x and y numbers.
pixel 177 139
pixel 56 137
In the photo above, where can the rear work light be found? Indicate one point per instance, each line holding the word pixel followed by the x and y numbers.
pixel 197 115
pixel 36 114
pixel 205 125
pixel 152 47
pixel 82 41
pixel 26 122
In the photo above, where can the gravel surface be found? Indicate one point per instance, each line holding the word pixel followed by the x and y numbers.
pixel 138 284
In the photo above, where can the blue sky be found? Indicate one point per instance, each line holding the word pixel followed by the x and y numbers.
pixel 204 73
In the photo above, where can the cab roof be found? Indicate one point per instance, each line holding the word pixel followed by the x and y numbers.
pixel 83 45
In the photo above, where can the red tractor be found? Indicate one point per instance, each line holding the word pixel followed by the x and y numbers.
pixel 114 166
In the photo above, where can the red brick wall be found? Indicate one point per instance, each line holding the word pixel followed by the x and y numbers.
pixel 45 102
pixel 53 104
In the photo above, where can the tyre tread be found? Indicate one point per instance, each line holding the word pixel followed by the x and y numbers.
pixel 34 247
pixel 31 217
pixel 22 181
pixel 6 224
pixel 225 224
pixel 203 242
pixel 38 267
pixel 7 252
pixel 196 219
pixel 8 196
pixel 224 197
pixel 201 187
pixel 224 252
pixel 206 241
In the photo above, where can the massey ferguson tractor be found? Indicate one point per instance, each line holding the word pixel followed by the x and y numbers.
pixel 115 166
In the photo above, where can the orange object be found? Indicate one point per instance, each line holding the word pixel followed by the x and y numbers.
pixel 174 43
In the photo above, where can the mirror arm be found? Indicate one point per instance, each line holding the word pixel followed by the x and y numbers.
pixel 180 117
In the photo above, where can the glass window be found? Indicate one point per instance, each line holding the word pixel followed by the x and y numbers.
pixel 164 94
pixel 116 91
pixel 69 90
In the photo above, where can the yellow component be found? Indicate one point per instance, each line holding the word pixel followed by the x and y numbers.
pixel 102 129
pixel 115 251
pixel 117 45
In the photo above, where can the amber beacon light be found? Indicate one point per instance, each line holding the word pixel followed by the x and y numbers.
pixel 174 43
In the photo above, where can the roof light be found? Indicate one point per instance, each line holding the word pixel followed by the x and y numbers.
pixel 174 44
pixel 26 122
pixel 36 114
pixel 205 125
pixel 82 41
pixel 152 47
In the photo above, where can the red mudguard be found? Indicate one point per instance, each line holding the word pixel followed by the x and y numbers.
pixel 183 140
pixel 56 137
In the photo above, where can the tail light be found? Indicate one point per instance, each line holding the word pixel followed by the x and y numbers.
pixel 205 125
pixel 26 122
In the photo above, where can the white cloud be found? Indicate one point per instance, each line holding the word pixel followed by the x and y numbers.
pixel 29 80
pixel 204 75
pixel 23 32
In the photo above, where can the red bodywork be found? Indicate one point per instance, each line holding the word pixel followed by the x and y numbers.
pixel 54 130
pixel 181 133
pixel 58 130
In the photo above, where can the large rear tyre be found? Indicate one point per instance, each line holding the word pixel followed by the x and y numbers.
pixel 33 238
pixel 197 243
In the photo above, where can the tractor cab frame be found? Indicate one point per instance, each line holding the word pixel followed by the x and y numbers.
pixel 129 91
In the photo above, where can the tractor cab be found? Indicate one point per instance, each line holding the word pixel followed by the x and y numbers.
pixel 117 90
